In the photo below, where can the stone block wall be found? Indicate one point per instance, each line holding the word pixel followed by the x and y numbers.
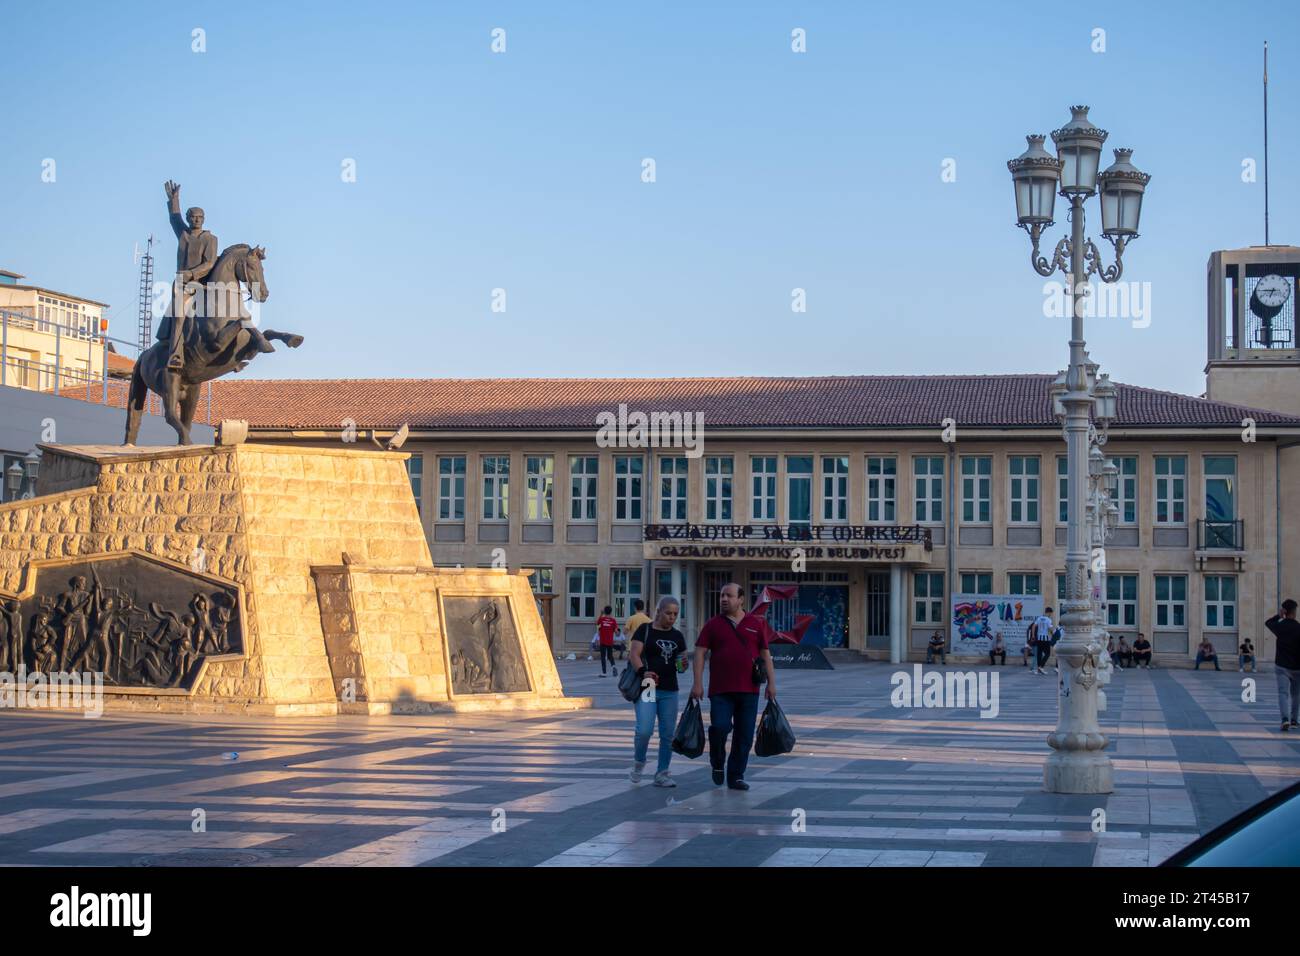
pixel 384 624
pixel 327 547
pixel 309 507
pixel 258 516
pixel 398 631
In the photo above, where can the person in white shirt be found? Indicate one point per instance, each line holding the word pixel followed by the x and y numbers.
pixel 1042 628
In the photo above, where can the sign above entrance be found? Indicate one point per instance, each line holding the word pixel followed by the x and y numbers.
pixel 775 533
pixel 787 553
pixel 905 544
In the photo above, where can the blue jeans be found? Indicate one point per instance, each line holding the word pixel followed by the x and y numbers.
pixel 1201 658
pixel 730 712
pixel 1244 659
pixel 664 706
pixel 1288 693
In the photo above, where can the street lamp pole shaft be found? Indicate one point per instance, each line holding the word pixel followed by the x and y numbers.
pixel 1077 763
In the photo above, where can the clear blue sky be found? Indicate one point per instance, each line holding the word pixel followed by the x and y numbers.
pixel 522 171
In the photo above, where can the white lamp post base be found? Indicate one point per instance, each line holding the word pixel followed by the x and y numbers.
pixel 1078 772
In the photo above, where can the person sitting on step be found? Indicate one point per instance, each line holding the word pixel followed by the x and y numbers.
pixel 936 647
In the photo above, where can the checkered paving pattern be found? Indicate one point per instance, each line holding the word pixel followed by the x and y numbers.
pixel 868 784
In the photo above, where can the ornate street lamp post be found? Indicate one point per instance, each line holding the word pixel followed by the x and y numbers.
pixel 1078 763
pixel 31 468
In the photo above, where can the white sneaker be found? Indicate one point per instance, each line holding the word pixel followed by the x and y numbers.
pixel 663 779
pixel 635 775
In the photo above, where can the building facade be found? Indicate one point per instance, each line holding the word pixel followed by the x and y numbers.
pixel 879 496
pixel 49 341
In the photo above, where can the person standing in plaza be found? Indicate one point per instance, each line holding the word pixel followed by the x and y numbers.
pixel 605 628
pixel 1287 661
pixel 657 649
pixel 1042 629
pixel 638 618
pixel 734 642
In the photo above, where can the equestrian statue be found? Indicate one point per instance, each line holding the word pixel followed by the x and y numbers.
pixel 206 331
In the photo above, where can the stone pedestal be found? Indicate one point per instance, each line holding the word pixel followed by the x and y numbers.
pixel 340 607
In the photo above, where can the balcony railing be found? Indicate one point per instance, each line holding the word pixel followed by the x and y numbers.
pixel 1220 535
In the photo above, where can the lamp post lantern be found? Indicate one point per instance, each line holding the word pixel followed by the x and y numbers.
pixel 31 468
pixel 14 480
pixel 1086 406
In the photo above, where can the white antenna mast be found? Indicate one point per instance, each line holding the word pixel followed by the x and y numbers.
pixel 1266 143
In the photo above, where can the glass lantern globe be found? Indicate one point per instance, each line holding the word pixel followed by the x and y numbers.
pixel 14 479
pixel 1105 400
pixel 1078 146
pixel 1122 188
pixel 1111 479
pixel 1035 173
pixel 1058 390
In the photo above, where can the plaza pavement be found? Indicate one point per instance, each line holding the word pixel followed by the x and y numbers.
pixel 877 786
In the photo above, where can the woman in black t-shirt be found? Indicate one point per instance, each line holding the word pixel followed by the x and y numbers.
pixel 657 654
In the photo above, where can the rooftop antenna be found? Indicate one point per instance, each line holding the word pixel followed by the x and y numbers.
pixel 1266 143
pixel 146 295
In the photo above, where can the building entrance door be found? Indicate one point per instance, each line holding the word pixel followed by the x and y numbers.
pixel 878 604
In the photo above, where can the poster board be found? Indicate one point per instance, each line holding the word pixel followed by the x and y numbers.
pixel 977 618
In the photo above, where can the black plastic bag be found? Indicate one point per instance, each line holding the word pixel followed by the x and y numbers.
pixel 774 735
pixel 688 740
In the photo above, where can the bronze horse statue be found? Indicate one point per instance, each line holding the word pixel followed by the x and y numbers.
pixel 219 337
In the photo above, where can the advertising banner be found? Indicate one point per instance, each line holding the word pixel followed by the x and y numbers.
pixel 978 618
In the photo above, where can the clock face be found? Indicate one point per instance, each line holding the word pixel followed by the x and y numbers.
pixel 1272 291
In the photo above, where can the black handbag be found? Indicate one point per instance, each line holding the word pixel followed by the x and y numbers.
pixel 629 685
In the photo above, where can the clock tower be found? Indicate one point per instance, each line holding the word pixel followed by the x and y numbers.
pixel 1253 355
pixel 1254 360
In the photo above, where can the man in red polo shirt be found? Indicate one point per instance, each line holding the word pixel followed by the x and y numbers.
pixel 733 641
pixel 605 627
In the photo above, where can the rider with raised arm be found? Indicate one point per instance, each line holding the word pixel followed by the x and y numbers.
pixel 196 254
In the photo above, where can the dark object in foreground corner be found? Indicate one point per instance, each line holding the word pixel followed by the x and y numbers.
pixel 688 740
pixel 1267 834
pixel 774 736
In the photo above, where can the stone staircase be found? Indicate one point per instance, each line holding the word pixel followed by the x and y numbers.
pixel 843 655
